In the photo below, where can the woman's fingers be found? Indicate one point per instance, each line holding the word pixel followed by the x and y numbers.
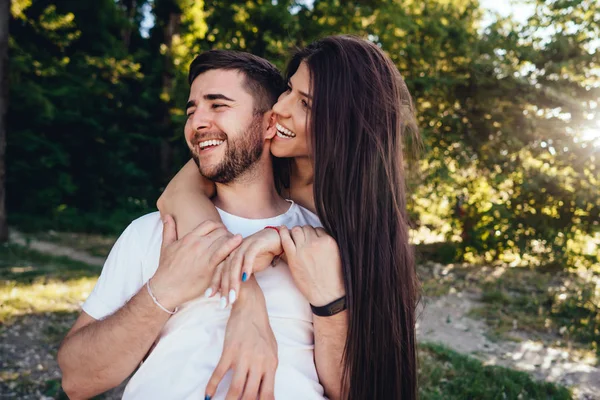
pixel 267 387
pixel 237 383
pixel 217 376
pixel 236 276
pixel 247 268
pixel 225 282
pixel 228 293
pixel 252 385
pixel 298 235
pixel 320 232
pixel 289 247
pixel 309 232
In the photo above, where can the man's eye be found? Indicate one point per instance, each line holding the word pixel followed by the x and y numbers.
pixel 190 114
pixel 218 105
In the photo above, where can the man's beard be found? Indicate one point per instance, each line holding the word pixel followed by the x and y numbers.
pixel 240 155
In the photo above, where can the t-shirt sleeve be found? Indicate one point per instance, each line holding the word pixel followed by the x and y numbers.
pixel 121 277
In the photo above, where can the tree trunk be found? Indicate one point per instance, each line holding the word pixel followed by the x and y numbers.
pixel 4 18
pixel 130 9
pixel 171 28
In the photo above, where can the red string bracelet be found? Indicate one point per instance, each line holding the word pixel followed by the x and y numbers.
pixel 277 229
pixel 272 227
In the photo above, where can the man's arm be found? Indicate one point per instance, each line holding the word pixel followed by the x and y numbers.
pixel 99 355
pixel 330 340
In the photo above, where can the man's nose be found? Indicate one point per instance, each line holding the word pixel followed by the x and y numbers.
pixel 201 120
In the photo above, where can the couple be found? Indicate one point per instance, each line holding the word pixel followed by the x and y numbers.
pixel 339 319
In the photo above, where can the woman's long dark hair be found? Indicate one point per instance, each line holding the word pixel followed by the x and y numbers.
pixel 361 112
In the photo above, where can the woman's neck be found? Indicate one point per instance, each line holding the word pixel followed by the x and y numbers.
pixel 302 172
pixel 301 182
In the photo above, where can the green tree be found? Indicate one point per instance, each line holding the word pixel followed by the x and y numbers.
pixel 4 13
pixel 74 113
pixel 97 109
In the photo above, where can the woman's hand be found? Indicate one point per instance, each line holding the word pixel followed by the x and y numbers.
pixel 254 255
pixel 315 263
pixel 250 349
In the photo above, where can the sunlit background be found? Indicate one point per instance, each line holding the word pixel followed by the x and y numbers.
pixel 505 196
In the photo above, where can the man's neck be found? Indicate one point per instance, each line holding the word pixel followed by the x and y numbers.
pixel 252 195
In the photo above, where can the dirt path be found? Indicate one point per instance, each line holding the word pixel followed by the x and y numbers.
pixel 445 320
pixel 55 249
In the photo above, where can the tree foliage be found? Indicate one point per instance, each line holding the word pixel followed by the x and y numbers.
pixel 510 167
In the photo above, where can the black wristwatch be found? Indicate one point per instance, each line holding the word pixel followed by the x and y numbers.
pixel 335 307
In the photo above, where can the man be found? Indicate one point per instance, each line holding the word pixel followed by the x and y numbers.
pixel 148 295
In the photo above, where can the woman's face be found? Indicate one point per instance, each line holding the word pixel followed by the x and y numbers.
pixel 292 112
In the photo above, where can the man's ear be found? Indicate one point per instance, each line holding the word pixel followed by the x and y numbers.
pixel 270 120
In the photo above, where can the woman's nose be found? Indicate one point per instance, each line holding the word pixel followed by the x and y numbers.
pixel 281 108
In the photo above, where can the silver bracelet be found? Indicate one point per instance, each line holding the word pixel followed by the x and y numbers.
pixel 156 301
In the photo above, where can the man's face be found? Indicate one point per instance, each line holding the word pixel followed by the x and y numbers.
pixel 222 132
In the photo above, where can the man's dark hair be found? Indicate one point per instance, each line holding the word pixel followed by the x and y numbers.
pixel 262 79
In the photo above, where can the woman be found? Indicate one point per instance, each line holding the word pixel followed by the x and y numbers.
pixel 340 126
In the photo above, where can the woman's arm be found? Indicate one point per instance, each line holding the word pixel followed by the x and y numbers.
pixel 187 199
pixel 330 340
pixel 250 349
pixel 315 264
pixel 249 339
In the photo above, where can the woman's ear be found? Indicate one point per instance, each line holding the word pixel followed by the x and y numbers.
pixel 270 121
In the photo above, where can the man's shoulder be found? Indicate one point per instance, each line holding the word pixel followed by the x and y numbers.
pixel 146 228
pixel 147 222
pixel 131 262
pixel 140 241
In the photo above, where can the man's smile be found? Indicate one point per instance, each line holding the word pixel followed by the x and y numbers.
pixel 206 144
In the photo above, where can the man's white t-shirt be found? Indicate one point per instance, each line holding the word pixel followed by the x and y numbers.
pixel 190 344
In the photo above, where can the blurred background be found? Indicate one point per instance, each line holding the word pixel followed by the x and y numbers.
pixel 505 196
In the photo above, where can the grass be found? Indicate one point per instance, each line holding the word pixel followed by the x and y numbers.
pixel 34 283
pixel 23 265
pixel 93 244
pixel 445 374
pixel 71 219
pixel 558 304
pixel 561 305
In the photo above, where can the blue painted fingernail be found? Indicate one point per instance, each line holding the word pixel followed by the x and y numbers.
pixel 207 397
pixel 244 277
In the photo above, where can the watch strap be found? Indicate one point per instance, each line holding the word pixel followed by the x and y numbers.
pixel 335 307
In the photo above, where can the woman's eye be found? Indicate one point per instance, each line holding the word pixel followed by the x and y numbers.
pixel 304 104
pixel 218 105
pixel 289 88
pixel 190 114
